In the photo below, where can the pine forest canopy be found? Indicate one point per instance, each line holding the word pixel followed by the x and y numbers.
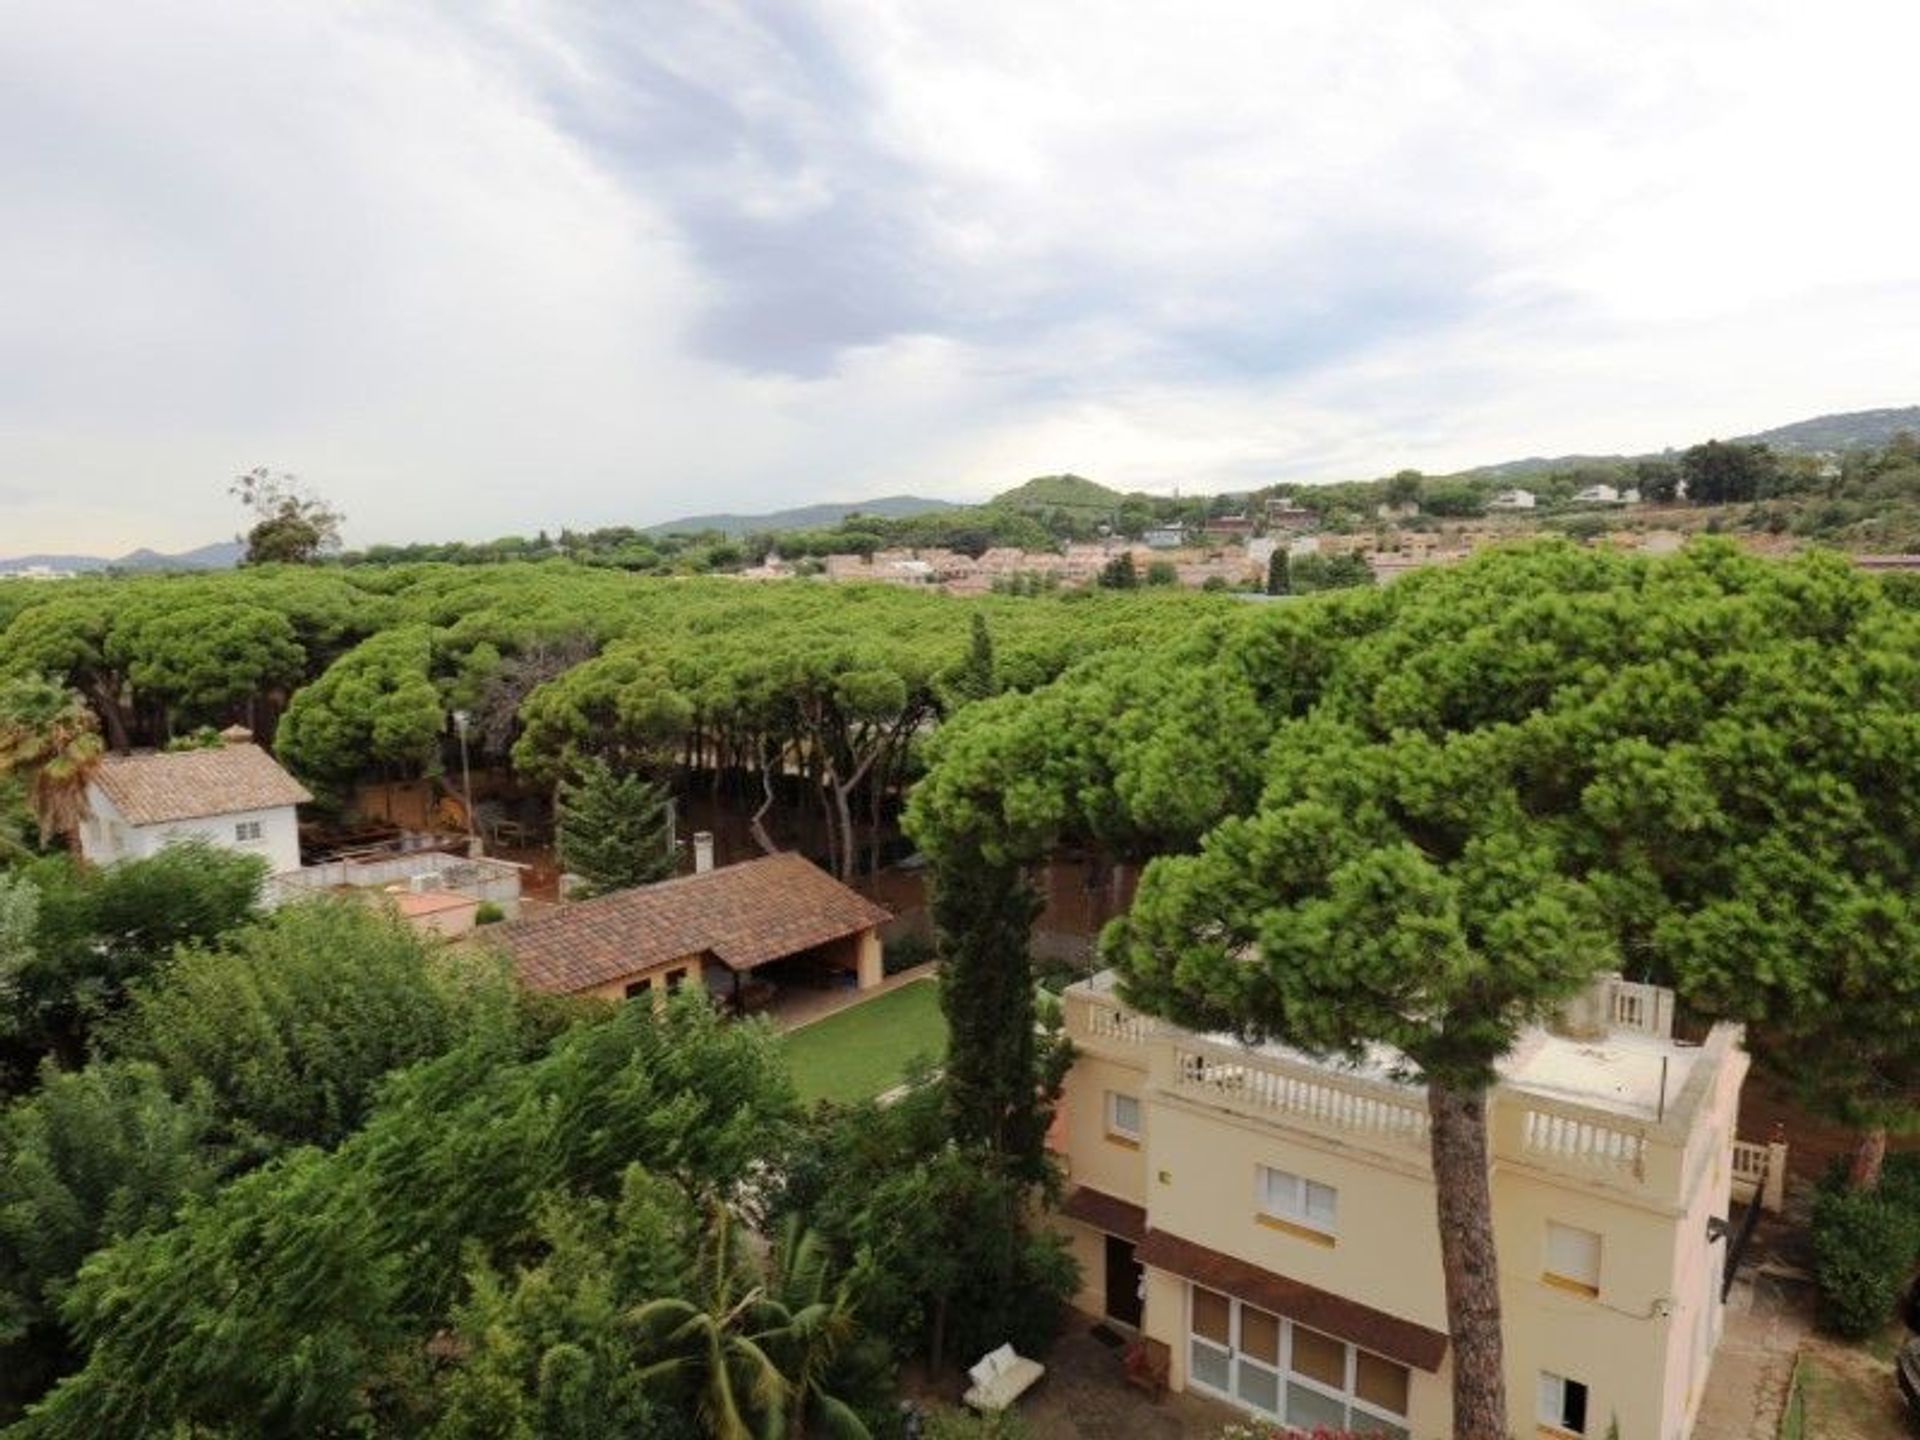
pixel 1703 769
pixel 350 673
pixel 1418 814
pixel 1424 815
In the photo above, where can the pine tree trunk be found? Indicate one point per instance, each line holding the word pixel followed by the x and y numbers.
pixel 1459 1144
pixel 758 826
pixel 937 1349
pixel 108 704
pixel 1869 1153
pixel 844 851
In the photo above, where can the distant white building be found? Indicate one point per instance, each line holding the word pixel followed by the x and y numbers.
pixel 1513 500
pixel 235 796
pixel 1165 537
pixel 37 572
pixel 1598 495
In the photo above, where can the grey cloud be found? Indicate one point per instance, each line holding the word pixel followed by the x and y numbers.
pixel 793 290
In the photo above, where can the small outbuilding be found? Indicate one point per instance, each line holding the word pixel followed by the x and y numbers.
pixel 742 931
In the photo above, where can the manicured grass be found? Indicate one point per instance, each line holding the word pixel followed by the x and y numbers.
pixel 864 1049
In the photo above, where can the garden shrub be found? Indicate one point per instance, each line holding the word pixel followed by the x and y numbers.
pixel 1864 1243
pixel 905 952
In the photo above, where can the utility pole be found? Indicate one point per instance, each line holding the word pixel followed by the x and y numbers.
pixel 466 782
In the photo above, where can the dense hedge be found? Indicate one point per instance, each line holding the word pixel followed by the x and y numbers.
pixel 1866 1245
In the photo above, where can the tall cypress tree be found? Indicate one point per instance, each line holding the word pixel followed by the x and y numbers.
pixel 983 914
pixel 975 679
pixel 1279 572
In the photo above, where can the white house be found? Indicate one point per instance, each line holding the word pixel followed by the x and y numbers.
pixel 235 796
pixel 1598 495
pixel 1513 500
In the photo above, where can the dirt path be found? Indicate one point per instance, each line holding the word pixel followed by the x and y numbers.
pixel 1767 1322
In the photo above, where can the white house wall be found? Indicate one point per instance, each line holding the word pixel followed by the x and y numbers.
pixel 106 836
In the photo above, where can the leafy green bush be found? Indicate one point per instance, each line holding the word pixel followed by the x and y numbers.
pixel 904 952
pixel 1864 1244
pixel 488 913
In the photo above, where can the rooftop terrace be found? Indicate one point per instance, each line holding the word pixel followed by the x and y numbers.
pixel 1606 1096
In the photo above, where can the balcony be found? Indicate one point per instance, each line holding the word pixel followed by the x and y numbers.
pixel 1614 1105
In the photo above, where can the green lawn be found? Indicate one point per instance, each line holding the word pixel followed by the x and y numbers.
pixel 864 1049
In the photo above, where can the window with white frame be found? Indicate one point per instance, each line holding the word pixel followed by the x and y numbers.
pixel 1289 1373
pixel 1563 1403
pixel 1573 1258
pixel 246 830
pixel 1283 1195
pixel 1123 1116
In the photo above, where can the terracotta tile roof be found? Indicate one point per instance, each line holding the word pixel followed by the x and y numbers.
pixel 743 915
pixel 1106 1212
pixel 154 788
pixel 1362 1325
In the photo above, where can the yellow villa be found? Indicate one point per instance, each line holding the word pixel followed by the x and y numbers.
pixel 1269 1218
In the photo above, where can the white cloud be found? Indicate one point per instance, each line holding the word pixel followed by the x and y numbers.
pixel 471 271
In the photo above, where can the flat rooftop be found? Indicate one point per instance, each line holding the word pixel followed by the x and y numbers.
pixel 1626 1072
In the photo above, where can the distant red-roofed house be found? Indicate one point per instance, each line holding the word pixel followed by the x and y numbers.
pixel 715 928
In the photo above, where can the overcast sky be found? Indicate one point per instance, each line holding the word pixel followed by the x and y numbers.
pixel 478 269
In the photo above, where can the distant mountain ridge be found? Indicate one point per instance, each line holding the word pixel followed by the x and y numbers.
pixel 1853 430
pixel 1845 430
pixel 802 517
pixel 221 555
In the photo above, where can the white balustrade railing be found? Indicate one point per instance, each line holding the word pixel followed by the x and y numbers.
pixel 1645 1008
pixel 1759 1173
pixel 1588 1143
pixel 1115 1022
pixel 1302 1093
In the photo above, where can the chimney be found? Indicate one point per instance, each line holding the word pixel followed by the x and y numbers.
pixel 236 735
pixel 702 851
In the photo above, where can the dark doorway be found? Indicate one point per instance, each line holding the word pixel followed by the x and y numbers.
pixel 1123 1282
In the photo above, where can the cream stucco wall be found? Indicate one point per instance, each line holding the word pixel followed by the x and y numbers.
pixel 859 954
pixel 617 989
pixel 1641 1345
pixel 1095 1158
pixel 107 837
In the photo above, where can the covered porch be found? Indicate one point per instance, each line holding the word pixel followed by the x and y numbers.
pixel 807 982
